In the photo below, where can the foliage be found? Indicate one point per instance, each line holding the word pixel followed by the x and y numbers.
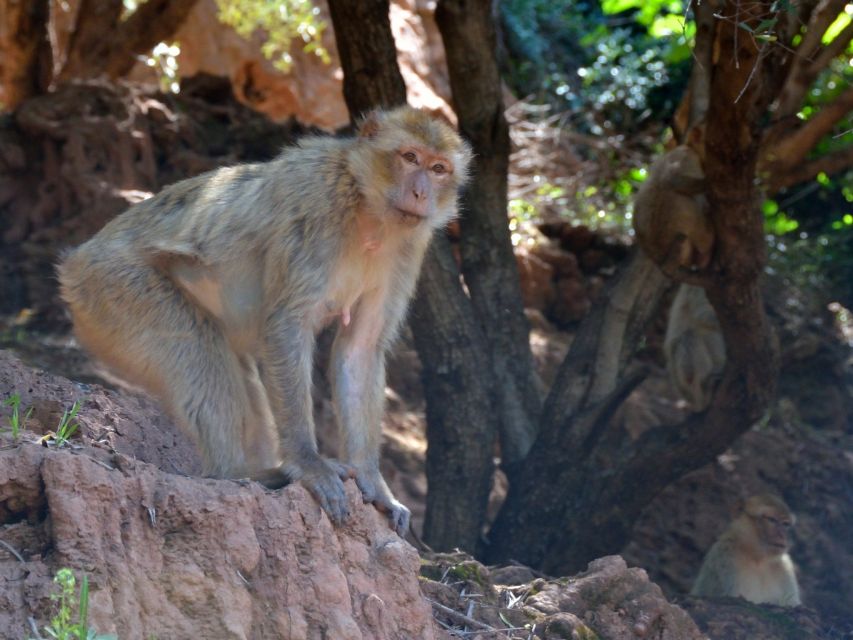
pixel 67 425
pixel 577 58
pixel 61 626
pixel 164 60
pixel 811 235
pixel 16 423
pixel 282 22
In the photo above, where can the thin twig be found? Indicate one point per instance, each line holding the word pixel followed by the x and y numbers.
pixel 461 617
pixel 12 550
pixel 34 628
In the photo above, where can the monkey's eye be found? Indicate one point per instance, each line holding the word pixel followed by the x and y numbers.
pixel 410 157
pixel 439 169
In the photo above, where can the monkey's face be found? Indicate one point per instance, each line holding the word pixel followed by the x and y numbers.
pixel 410 166
pixel 421 179
pixel 772 527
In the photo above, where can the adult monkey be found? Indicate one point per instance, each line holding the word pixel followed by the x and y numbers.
pixel 750 559
pixel 210 295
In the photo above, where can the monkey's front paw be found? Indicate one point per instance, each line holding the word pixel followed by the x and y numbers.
pixel 324 479
pixel 374 490
pixel 398 514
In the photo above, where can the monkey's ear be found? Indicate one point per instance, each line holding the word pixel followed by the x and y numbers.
pixel 370 126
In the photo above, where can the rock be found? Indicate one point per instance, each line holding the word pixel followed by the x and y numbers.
pixel 537 286
pixel 170 556
pixel 311 90
pixel 571 303
pixel 615 602
pixel 132 425
pixel 566 625
pixel 577 239
pixel 513 574
pixel 565 264
pixel 594 260
pixel 736 619
pixel 608 601
pixel 176 557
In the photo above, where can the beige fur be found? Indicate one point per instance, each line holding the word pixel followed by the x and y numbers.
pixel 670 211
pixel 750 560
pixel 694 346
pixel 210 294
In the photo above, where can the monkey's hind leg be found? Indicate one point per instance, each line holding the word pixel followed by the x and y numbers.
pixel 141 325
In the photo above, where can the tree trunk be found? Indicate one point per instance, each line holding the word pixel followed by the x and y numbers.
pixel 368 55
pixel 488 264
pixel 25 56
pixel 461 423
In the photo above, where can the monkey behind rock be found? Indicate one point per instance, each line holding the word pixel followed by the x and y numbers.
pixel 694 346
pixel 211 293
pixel 671 211
pixel 750 560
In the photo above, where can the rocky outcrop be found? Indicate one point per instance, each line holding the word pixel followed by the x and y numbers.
pixel 171 556
pixel 311 90
pixel 608 601
pixel 176 557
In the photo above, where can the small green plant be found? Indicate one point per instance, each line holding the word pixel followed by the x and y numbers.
pixel 16 423
pixel 67 425
pixel 61 626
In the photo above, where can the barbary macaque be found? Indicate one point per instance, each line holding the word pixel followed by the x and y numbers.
pixel 694 346
pixel 671 211
pixel 210 295
pixel 750 560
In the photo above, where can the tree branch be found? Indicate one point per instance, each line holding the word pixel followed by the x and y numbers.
pixel 830 164
pixel 153 22
pixel 805 67
pixel 783 153
pixel 102 44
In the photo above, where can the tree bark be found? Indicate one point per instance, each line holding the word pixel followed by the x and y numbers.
pixel 368 56
pixel 461 422
pixel 25 56
pixel 488 264
pixel 103 44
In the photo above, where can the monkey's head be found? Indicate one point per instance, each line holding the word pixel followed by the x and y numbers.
pixel 771 520
pixel 410 166
pixel 685 162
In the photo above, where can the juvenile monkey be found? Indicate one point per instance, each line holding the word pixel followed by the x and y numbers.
pixel 670 211
pixel 210 295
pixel 694 346
pixel 750 560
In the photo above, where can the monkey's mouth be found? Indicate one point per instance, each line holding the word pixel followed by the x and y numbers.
pixel 409 217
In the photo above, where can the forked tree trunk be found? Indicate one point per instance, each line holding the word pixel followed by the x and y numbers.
pixel 103 44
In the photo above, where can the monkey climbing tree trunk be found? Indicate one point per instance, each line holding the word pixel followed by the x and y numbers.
pixel 593 496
